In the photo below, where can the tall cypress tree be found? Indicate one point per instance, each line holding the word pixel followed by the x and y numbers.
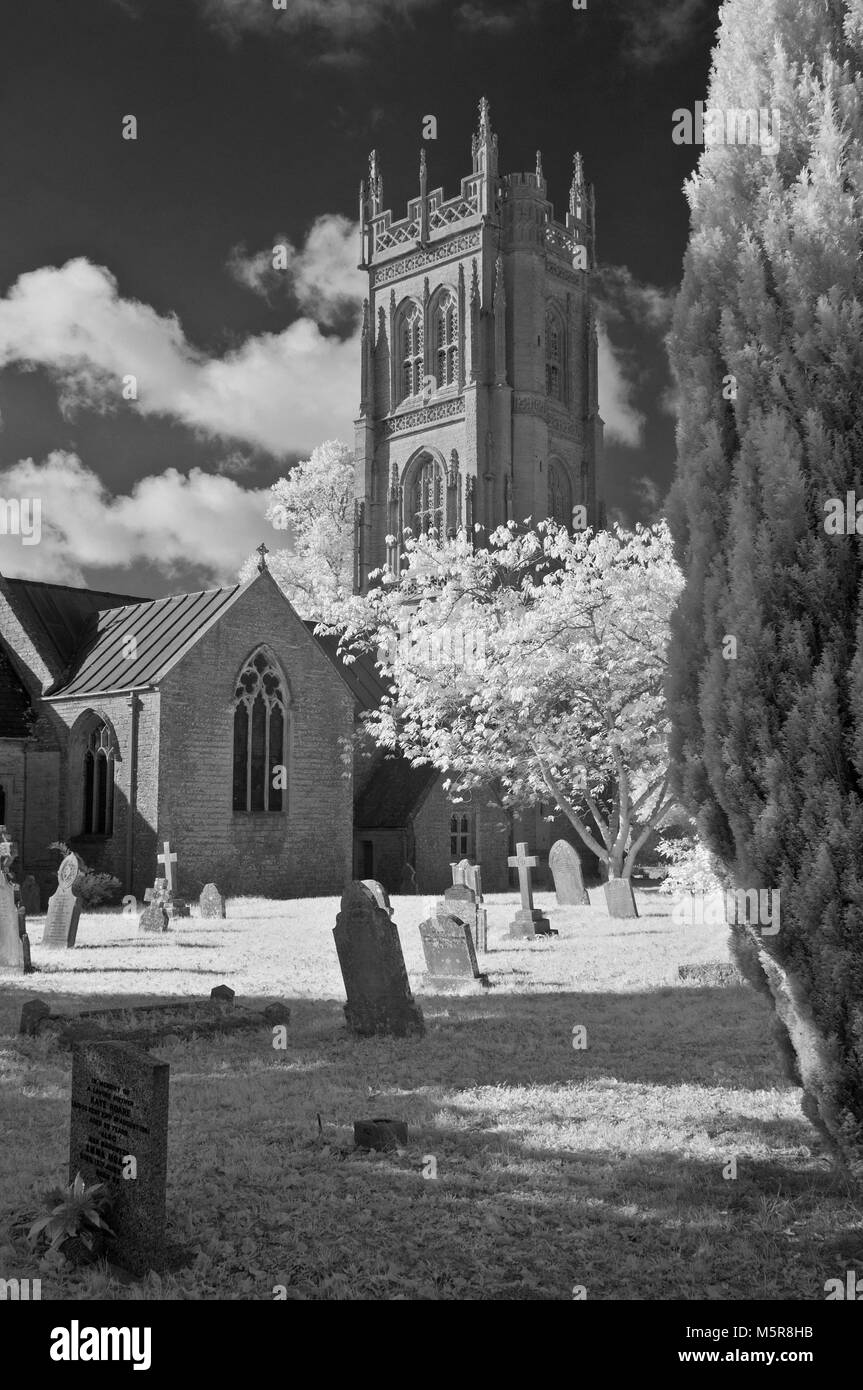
pixel 767 351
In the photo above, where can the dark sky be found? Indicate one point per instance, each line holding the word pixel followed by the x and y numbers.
pixel 253 125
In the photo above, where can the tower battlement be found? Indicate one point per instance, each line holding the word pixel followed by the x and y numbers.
pixel 478 374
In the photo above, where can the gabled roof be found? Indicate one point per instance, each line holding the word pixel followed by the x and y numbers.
pixel 163 629
pixel 16 711
pixel 53 615
pixel 394 792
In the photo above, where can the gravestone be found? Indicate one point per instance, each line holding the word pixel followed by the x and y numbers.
pixel 471 874
pixel 373 968
pixel 565 868
pixel 119 1114
pixel 154 918
pixel 211 903
pixel 449 950
pixel 620 898
pixel 462 901
pixel 64 909
pixel 11 945
pixel 25 940
pixel 528 920
pixel 31 898
pixel 379 893
pixel 380 1134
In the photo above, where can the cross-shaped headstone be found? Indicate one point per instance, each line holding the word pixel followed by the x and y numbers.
pixel 524 862
pixel 167 858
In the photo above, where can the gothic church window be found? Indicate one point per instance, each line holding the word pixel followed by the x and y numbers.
pixel 559 504
pixel 555 355
pixel 260 721
pixel 446 341
pixel 97 810
pixel 426 499
pixel 411 349
pixel 460 836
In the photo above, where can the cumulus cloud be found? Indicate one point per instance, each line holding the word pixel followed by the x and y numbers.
pixel 168 520
pixel 483 18
pixel 282 392
pixel 624 297
pixel 322 275
pixel 624 422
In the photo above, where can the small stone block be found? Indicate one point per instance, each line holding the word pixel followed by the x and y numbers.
pixel 277 1013
pixel 32 1014
pixel 380 1134
pixel 223 994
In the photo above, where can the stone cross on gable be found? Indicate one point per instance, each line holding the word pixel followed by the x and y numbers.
pixel 524 862
pixel 167 858
pixel 263 552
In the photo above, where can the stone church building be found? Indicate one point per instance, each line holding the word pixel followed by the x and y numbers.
pixel 217 720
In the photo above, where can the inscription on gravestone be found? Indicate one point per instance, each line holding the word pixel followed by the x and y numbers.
pixel 449 950
pixel 119 1136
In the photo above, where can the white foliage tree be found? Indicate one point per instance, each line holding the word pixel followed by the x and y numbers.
pixel 534 668
pixel 315 503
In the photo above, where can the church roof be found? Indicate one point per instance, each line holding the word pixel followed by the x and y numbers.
pixel 163 629
pixel 393 793
pixel 16 710
pixel 53 615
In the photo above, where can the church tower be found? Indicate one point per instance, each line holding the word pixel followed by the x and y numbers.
pixel 479 361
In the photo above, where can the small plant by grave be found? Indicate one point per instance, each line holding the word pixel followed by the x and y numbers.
pixel 76 1222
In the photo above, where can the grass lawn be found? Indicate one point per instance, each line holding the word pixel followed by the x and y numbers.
pixel 556 1167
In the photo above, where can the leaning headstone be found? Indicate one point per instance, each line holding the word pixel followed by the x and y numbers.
pixel 620 898
pixel 211 903
pixel 379 893
pixel 373 968
pixel 64 909
pixel 528 920
pixel 449 951
pixel 119 1136
pixel 11 946
pixel 565 868
pixel 31 898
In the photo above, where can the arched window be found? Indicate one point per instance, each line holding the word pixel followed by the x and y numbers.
pixel 559 503
pixel 425 503
pixel 446 340
pixel 260 725
pixel 555 356
pixel 97 811
pixel 411 351
pixel 460 836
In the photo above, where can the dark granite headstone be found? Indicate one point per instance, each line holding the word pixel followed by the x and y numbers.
pixel 64 909
pixel 223 994
pixel 211 903
pixel 11 947
pixel 373 968
pixel 565 867
pixel 449 949
pixel 379 893
pixel 31 898
pixel 620 898
pixel 25 940
pixel 119 1113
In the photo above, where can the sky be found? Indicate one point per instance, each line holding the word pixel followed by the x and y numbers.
pixel 154 379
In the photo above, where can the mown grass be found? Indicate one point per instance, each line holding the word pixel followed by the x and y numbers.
pixel 555 1167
